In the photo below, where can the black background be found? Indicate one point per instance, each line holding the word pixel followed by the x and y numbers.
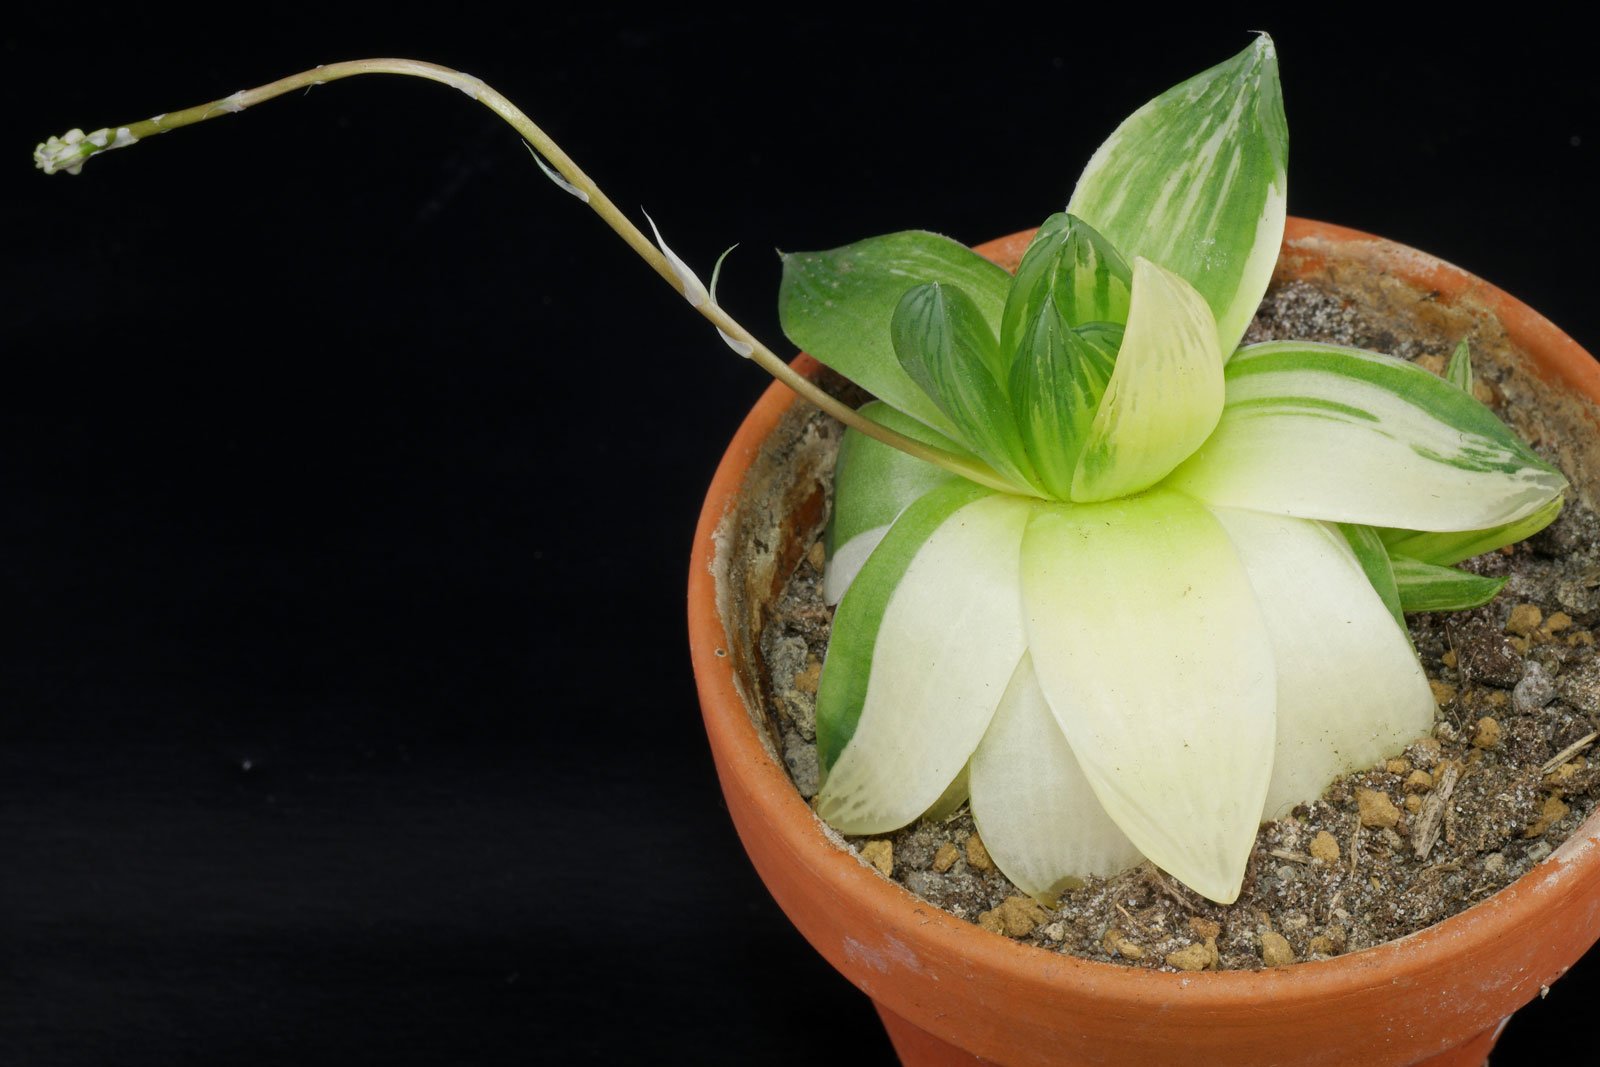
pixel 348 473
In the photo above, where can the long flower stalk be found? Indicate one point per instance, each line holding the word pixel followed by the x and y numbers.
pixel 69 152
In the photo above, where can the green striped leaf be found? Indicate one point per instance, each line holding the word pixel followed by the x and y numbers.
pixel 923 646
pixel 1033 284
pixel 1350 690
pixel 837 305
pixel 843 687
pixel 1425 587
pixel 1173 727
pixel 947 349
pixel 872 484
pixel 1458 372
pixel 1104 337
pixel 1075 267
pixel 1094 282
pixel 1165 393
pixel 1195 180
pixel 1324 432
pixel 1040 820
pixel 1056 385
pixel 1452 547
pixel 1374 560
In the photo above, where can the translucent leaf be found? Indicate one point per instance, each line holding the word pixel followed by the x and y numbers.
pixel 946 347
pixel 923 647
pixel 1452 547
pixel 872 484
pixel 955 795
pixel 1056 384
pixel 1425 587
pixel 1077 269
pixel 837 305
pixel 1374 560
pixel 1151 650
pixel 1195 180
pixel 1324 432
pixel 1350 691
pixel 1041 822
pixel 1458 372
pixel 1165 393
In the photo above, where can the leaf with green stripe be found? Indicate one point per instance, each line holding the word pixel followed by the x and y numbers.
pixel 1071 264
pixel 872 484
pixel 1374 560
pixel 1164 395
pixel 923 646
pixel 1105 337
pixel 1325 432
pixel 1425 587
pixel 1056 384
pixel 948 349
pixel 1195 180
pixel 1454 546
pixel 837 305
pixel 1458 372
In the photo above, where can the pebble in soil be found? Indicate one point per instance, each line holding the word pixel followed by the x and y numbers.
pixel 1384 851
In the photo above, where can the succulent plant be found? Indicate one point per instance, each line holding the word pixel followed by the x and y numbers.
pixel 1128 586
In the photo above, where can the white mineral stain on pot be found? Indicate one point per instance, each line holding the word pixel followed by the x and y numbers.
pixel 893 953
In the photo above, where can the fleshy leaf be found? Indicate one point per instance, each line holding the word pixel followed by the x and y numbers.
pixel 1446 549
pixel 872 484
pixel 1150 648
pixel 1458 372
pixel 955 795
pixel 923 647
pixel 1195 180
pixel 1324 432
pixel 1350 689
pixel 946 347
pixel 837 305
pixel 1033 283
pixel 1374 560
pixel 843 686
pixel 1040 820
pixel 1104 337
pixel 1094 282
pixel 1075 267
pixel 1056 384
pixel 1165 394
pixel 1425 587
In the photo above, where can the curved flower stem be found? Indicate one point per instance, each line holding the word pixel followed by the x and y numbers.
pixel 69 153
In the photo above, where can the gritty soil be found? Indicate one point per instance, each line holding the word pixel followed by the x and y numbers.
pixel 1384 852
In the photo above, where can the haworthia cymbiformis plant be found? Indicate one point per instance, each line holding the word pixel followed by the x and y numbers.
pixel 1128 586
pixel 1216 547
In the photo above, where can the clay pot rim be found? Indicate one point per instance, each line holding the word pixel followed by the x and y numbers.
pixel 1570 869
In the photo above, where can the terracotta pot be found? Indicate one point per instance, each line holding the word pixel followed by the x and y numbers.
pixel 950 992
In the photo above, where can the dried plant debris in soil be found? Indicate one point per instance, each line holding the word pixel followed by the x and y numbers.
pixel 1506 775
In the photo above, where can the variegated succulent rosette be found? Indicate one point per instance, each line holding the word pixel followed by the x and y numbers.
pixel 1174 607
pixel 1126 586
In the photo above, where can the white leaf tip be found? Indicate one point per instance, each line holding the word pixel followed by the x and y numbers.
pixel 743 348
pixel 555 175
pixel 694 290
